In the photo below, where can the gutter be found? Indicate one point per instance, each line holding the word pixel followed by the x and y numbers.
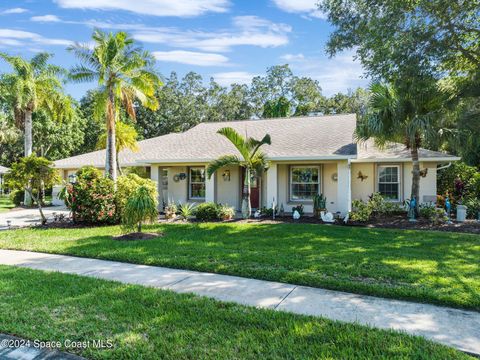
pixel 445 166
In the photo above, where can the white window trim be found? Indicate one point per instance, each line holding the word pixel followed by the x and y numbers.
pixel 290 199
pixel 190 182
pixel 379 167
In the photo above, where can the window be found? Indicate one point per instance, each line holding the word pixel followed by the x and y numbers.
pixel 197 183
pixel 389 182
pixel 304 182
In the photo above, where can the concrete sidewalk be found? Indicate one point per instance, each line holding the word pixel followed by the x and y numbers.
pixel 452 327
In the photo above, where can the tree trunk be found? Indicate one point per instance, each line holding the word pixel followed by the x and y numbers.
pixel 111 163
pixel 28 148
pixel 415 175
pixel 119 168
pixel 139 226
pixel 246 204
pixel 39 204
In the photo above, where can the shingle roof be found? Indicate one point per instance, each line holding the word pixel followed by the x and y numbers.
pixel 368 150
pixel 4 169
pixel 309 138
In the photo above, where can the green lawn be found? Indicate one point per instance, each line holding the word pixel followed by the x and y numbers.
pixel 145 323
pixel 436 267
pixel 5 203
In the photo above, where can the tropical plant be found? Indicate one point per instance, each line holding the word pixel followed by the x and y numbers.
pixel 91 198
pixel 125 138
pixel 34 85
pixel 319 204
pixel 141 207
pixel 187 210
pixel 252 160
pixel 405 114
pixel 125 73
pixel 31 174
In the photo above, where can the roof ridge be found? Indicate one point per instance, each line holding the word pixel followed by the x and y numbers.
pixel 272 119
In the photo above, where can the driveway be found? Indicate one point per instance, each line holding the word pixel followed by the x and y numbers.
pixel 28 217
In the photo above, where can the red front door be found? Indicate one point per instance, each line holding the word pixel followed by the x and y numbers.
pixel 254 190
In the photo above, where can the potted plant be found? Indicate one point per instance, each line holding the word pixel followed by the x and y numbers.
pixel 170 210
pixel 319 204
pixel 226 212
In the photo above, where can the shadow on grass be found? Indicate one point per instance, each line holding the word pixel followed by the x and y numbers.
pixel 435 267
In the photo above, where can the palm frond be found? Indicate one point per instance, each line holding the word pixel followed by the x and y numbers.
pixel 227 160
pixel 237 140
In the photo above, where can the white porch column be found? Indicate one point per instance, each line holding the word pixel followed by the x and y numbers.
pixel 272 185
pixel 210 188
pixel 155 177
pixel 344 202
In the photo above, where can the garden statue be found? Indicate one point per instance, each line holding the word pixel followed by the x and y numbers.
pixel 282 210
pixel 257 214
pixel 296 215
pixel 448 208
pixel 411 210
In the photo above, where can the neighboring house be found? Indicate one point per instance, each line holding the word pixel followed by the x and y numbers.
pixel 3 171
pixel 308 155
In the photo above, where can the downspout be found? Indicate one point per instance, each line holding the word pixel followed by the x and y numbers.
pixel 445 166
pixel 349 179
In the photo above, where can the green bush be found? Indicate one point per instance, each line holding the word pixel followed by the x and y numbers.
pixel 427 211
pixel 141 207
pixel 171 210
pixel 473 207
pixel 127 185
pixel 207 211
pixel 469 176
pixel 17 197
pixel 91 198
pixel 362 211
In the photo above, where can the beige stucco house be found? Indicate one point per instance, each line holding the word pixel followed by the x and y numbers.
pixel 308 155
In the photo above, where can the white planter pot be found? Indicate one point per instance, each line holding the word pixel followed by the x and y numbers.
pixel 461 213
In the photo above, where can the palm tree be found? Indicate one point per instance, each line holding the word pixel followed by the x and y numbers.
pixel 407 114
pixel 253 160
pixel 32 86
pixel 124 72
pixel 125 138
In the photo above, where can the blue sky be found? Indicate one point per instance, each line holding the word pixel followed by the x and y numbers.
pixel 230 40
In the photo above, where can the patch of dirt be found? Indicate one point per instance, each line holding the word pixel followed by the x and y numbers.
pixel 137 236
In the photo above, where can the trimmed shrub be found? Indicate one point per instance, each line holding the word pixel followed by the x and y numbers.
pixel 207 211
pixel 126 187
pixel 187 210
pixel 91 199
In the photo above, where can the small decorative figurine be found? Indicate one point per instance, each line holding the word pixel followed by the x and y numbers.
pixel 296 215
pixel 411 210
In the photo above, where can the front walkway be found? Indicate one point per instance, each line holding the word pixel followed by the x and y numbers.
pixel 452 327
pixel 29 217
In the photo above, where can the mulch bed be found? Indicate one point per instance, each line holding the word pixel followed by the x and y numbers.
pixel 137 236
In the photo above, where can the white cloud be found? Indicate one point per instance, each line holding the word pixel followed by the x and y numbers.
pixel 181 8
pixel 233 77
pixel 338 74
pixel 17 10
pixel 247 30
pixel 292 57
pixel 11 37
pixel 46 18
pixel 304 7
pixel 191 58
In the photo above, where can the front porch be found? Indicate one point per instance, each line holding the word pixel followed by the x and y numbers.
pixel 286 183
